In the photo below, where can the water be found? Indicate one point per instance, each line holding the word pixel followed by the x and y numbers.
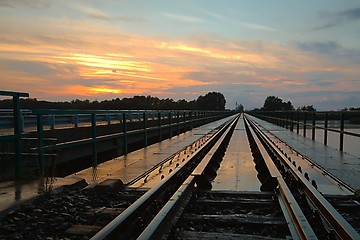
pixel 351 143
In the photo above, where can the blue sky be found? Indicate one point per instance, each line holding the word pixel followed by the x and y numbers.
pixel 307 52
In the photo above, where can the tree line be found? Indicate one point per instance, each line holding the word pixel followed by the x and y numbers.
pixel 273 103
pixel 211 101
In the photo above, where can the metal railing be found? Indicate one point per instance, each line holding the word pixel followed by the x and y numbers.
pixel 16 136
pixel 300 120
pixel 91 120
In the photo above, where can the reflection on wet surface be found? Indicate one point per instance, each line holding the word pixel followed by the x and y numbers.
pixel 130 166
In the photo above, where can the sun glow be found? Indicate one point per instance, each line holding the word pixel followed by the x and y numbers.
pixel 109 62
pixel 103 90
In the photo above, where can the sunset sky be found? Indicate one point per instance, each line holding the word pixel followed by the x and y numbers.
pixel 305 51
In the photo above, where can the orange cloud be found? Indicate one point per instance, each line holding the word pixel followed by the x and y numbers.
pixel 91 59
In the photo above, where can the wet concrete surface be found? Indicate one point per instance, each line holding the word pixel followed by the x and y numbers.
pixel 125 168
pixel 237 170
pixel 343 166
pixel 130 166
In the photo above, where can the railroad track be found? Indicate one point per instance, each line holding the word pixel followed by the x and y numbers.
pixel 181 205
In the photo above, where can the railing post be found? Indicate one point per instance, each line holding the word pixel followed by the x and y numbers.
pixel 178 122
pixel 108 118
pixel 145 130
pixel 17 132
pixel 159 124
pixel 284 120
pixel 304 124
pixel 40 130
pixel 184 121
pixel 125 134
pixel 298 122
pixel 341 131
pixel 76 120
pixel 170 124
pixel 93 134
pixel 191 120
pixel 52 121
pixel 313 126
pixel 325 130
pixel 291 121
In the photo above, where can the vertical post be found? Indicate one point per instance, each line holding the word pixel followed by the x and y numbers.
pixel 291 121
pixel 40 130
pixel 52 121
pixel 18 122
pixel 159 124
pixel 304 124
pixel 284 119
pixel 108 118
pixel 184 121
pixel 170 124
pixel 298 122
pixel 17 133
pixel 178 122
pixel 93 133
pixel 125 134
pixel 341 131
pixel 76 120
pixel 313 126
pixel 145 130
pixel 191 120
pixel 325 130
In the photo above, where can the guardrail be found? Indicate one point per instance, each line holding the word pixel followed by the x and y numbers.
pixel 186 118
pixel 17 127
pixel 301 119
pixel 91 121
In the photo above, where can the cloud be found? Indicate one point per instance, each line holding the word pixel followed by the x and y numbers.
pixel 319 47
pixel 76 58
pixel 336 53
pixel 96 13
pixel 257 26
pixel 249 25
pixel 351 14
pixel 183 18
pixel 338 18
pixel 19 3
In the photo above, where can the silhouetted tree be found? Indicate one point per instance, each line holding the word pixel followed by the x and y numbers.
pixel 309 108
pixel 239 108
pixel 273 103
pixel 211 101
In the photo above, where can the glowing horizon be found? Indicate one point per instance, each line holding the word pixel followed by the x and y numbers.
pixel 63 51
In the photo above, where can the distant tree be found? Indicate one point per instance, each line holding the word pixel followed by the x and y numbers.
pixel 211 101
pixel 273 103
pixel 239 108
pixel 309 108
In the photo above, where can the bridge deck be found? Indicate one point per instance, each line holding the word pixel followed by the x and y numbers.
pixel 237 170
pixel 125 167
pixel 344 166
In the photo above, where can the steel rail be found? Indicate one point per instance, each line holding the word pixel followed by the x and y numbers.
pixel 342 228
pixel 321 168
pixel 164 161
pixel 298 224
pixel 112 230
pixel 159 227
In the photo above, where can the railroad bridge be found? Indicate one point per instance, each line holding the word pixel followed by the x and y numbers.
pixel 176 175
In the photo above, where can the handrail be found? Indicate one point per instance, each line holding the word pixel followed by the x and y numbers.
pixel 152 120
pixel 18 129
pixel 287 118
